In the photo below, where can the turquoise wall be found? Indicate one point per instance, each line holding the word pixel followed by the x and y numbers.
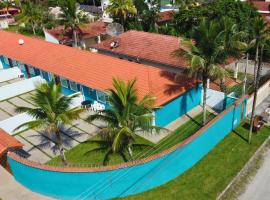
pixel 178 107
pixel 129 180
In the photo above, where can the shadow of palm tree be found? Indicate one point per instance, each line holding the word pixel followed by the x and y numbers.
pixel 49 140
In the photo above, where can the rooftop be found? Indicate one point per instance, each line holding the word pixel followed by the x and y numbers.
pixel 7 141
pixel 143 45
pixel 261 5
pixel 92 69
pixel 86 31
pixel 165 16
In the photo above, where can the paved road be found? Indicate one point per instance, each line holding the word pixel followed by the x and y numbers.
pixel 259 186
pixel 12 190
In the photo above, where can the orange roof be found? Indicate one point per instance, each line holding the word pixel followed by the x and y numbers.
pixel 86 31
pixel 143 45
pixel 165 16
pixel 90 69
pixel 7 141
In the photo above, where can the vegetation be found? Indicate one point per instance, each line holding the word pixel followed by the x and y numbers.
pixel 78 156
pixel 261 35
pixel 120 9
pixel 212 174
pixel 51 111
pixel 126 116
pixel 208 50
pixel 71 17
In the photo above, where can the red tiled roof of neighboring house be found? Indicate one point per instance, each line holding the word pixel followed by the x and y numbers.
pixel 7 141
pixel 10 9
pixel 165 16
pixel 92 69
pixel 261 5
pixel 86 31
pixel 143 45
pixel 229 82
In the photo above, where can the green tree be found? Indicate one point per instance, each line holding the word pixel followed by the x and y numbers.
pixel 51 111
pixel 260 33
pixel 71 17
pixel 32 13
pixel 205 53
pixel 125 116
pixel 120 9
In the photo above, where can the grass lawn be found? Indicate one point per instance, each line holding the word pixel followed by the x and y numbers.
pixel 211 175
pixel 76 156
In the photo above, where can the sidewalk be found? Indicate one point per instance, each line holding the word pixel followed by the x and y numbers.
pixel 258 188
pixel 11 190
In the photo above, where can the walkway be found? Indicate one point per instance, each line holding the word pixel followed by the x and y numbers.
pixel 258 188
pixel 12 190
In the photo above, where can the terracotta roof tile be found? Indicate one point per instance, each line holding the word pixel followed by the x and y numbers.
pixel 261 5
pixel 91 69
pixel 144 45
pixel 165 16
pixel 87 31
pixel 7 141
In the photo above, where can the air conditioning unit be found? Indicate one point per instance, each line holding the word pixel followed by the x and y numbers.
pixel 21 76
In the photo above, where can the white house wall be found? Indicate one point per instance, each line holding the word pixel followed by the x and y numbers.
pixel 50 38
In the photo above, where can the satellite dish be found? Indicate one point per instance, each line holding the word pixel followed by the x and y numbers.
pixel 114 29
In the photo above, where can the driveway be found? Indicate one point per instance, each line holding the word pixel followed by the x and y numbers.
pixel 259 186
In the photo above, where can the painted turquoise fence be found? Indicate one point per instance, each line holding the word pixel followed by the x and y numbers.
pixel 117 182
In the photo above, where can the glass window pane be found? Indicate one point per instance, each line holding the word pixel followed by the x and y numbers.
pixel 64 82
pixel 73 86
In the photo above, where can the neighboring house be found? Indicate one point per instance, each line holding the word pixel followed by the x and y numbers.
pixel 11 10
pixel 93 10
pixel 92 73
pixel 89 34
pixel 6 20
pixel 143 47
pixel 263 8
pixel 165 17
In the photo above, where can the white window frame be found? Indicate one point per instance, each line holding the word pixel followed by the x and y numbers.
pixel 65 85
pixel 72 84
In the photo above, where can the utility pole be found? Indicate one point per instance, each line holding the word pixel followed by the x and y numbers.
pixel 245 78
pixel 255 94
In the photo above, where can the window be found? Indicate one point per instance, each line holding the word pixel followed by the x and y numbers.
pixel 50 76
pixel 21 66
pixel 101 96
pixel 6 60
pixel 73 86
pixel 64 82
pixel 31 70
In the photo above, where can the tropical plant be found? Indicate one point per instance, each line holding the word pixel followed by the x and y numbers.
pixel 206 53
pixel 51 111
pixel 72 18
pixel 126 116
pixel 260 33
pixel 120 9
pixel 32 13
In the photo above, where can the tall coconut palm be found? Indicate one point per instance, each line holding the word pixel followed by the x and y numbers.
pixel 33 14
pixel 51 111
pixel 261 34
pixel 72 18
pixel 205 53
pixel 126 115
pixel 121 9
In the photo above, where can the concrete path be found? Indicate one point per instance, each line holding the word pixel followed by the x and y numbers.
pixel 12 190
pixel 259 186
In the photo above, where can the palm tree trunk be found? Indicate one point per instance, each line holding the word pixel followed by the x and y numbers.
pixel 255 63
pixel 33 28
pixel 75 38
pixel 61 148
pixel 130 152
pixel 255 95
pixel 204 99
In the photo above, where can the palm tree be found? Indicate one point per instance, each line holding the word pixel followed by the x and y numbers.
pixel 32 13
pixel 261 35
pixel 125 116
pixel 121 9
pixel 51 111
pixel 71 17
pixel 206 53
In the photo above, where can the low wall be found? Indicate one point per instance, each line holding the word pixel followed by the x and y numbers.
pixel 128 178
pixel 263 92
